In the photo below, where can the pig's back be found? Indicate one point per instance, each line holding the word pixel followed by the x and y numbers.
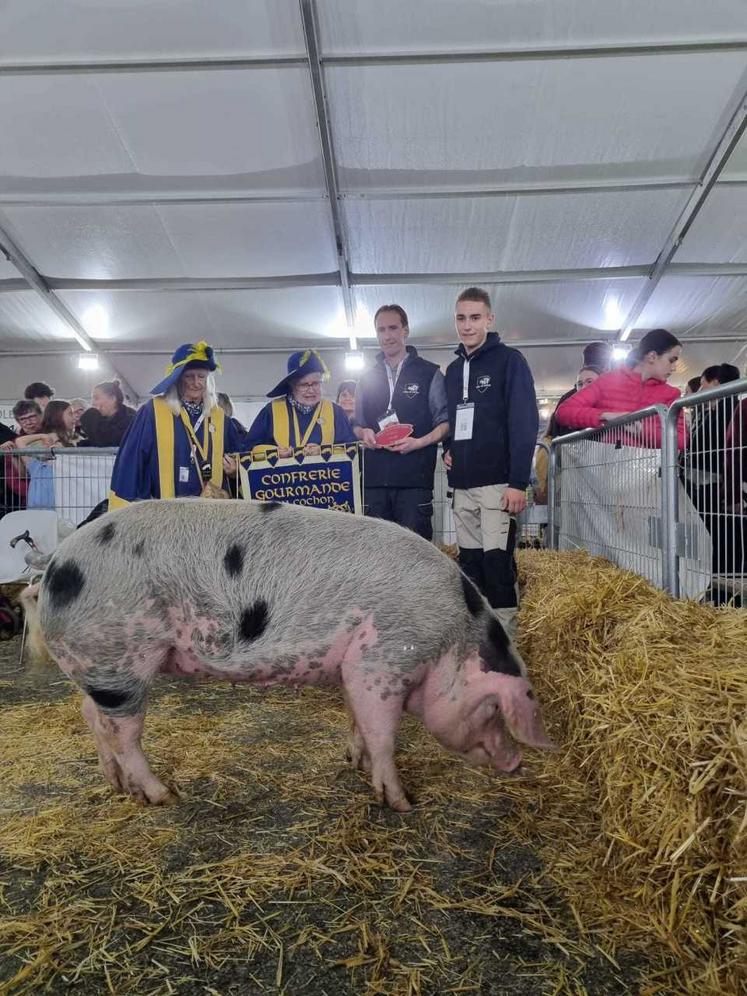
pixel 312 569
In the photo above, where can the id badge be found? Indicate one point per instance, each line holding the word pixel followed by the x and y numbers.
pixel 389 418
pixel 183 475
pixel 465 416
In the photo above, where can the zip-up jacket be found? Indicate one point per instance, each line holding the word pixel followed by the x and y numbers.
pixel 621 391
pixel 417 399
pixel 506 422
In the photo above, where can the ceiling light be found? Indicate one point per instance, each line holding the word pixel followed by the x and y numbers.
pixel 96 320
pixel 619 352
pixel 354 360
pixel 88 361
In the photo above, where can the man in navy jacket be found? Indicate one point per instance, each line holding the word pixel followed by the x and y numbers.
pixel 494 421
pixel 401 387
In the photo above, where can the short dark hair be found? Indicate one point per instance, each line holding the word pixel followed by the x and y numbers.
pixel 394 307
pixel 724 373
pixel 38 390
pixel 112 388
pixel 598 355
pixel 26 407
pixel 476 294
pixel 694 384
pixel 594 369
pixel 346 385
pixel 657 341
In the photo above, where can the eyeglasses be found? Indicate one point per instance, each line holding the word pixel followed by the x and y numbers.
pixel 308 385
pixel 27 418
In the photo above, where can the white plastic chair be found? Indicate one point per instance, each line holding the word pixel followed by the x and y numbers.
pixel 21 532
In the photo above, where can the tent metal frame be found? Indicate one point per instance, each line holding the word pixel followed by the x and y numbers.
pixel 316 63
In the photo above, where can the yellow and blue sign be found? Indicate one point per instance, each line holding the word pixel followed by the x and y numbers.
pixel 329 481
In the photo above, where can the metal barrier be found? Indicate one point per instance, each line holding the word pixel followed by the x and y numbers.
pixel 712 469
pixel 70 480
pixel 675 514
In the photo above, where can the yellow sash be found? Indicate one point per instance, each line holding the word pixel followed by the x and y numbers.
pixel 324 415
pixel 212 445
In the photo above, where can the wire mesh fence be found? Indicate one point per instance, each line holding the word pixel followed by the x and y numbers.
pixel 712 471
pixel 662 493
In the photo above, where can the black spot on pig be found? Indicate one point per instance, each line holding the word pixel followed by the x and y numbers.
pixel 139 548
pixel 530 694
pixel 107 534
pixel 472 596
pixel 254 621
pixel 63 583
pixel 495 650
pixel 270 506
pixel 108 698
pixel 234 560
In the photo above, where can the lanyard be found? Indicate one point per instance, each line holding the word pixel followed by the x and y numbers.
pixel 465 381
pixel 297 429
pixel 392 376
pixel 202 448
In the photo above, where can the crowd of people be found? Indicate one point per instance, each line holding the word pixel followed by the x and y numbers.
pixel 185 441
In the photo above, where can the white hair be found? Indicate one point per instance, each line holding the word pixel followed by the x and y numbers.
pixel 209 398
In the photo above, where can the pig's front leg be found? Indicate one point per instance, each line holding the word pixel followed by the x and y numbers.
pixel 376 717
pixel 121 756
pixel 356 750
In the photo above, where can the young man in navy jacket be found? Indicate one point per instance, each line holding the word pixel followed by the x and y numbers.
pixel 401 387
pixel 494 422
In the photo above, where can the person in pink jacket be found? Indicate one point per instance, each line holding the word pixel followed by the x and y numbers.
pixel 640 383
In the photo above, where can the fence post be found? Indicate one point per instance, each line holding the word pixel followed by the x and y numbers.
pixel 670 503
pixel 552 480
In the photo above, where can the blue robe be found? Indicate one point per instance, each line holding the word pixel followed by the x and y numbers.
pixel 136 476
pixel 261 430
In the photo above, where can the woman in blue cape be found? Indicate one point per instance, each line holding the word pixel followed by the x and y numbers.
pixel 298 419
pixel 177 444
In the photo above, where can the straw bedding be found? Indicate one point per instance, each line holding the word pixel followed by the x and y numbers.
pixel 276 873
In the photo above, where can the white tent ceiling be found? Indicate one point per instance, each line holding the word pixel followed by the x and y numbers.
pixel 262 173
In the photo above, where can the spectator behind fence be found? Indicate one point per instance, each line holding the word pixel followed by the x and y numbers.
pixel 720 373
pixel 106 423
pixel 346 397
pixel 39 392
pixel 703 464
pixel 692 386
pixel 28 416
pixel 57 429
pixel 640 383
pixel 586 375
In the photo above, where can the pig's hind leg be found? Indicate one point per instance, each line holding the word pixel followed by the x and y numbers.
pixel 122 759
pixel 376 717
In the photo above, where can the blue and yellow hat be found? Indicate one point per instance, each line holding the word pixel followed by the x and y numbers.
pixel 187 357
pixel 305 361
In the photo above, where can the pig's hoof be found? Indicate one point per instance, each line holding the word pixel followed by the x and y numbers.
pixel 400 803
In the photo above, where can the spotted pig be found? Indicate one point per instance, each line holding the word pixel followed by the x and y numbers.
pixel 269 594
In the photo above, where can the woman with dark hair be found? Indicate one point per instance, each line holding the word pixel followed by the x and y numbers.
pixel 106 423
pixel 640 383
pixel 346 397
pixel 57 429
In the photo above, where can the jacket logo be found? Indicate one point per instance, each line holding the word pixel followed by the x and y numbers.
pixel 483 383
pixel 411 390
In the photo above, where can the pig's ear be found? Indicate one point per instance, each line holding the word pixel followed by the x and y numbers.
pixel 519 708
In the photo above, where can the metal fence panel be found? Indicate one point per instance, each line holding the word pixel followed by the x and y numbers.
pixel 712 472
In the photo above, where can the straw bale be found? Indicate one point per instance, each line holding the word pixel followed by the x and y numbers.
pixel 632 834
pixel 650 697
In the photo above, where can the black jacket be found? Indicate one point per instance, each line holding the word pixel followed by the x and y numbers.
pixel 382 468
pixel 506 421
pixel 105 430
